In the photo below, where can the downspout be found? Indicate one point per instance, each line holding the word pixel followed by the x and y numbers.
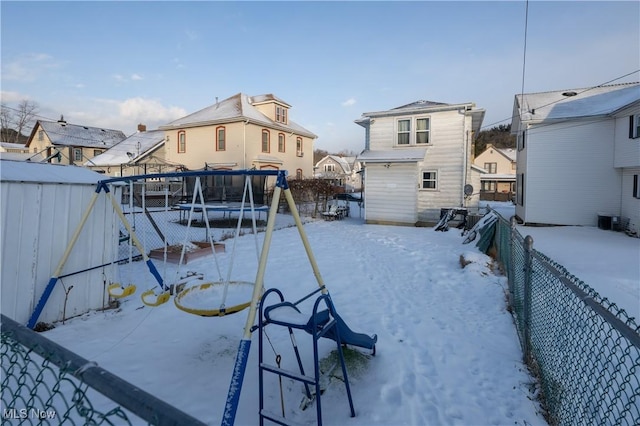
pixel 465 153
pixel 244 144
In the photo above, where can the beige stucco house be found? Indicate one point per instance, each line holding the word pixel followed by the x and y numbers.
pixel 241 132
pixel 63 143
pixel 499 181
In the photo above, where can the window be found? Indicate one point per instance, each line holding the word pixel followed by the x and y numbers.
pixel 299 151
pixel 96 152
pixel 404 132
pixel 281 114
pixel 404 135
pixel 422 130
pixel 265 141
pixel 520 189
pixel 329 167
pixel 521 137
pixel 636 187
pixel 429 180
pixel 77 154
pixel 298 174
pixel 488 186
pixel 182 141
pixel 221 144
pixel 281 143
pixel 40 135
pixel 634 126
pixel 491 167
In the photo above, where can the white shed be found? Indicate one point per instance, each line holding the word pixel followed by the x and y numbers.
pixel 42 205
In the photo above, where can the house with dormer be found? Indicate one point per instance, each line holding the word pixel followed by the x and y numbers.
pixel 241 132
pixel 418 160
pixel 578 156
pixel 64 143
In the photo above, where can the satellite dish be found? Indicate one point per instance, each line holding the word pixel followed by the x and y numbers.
pixel 468 190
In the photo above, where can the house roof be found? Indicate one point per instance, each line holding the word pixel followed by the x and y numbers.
pixel 65 134
pixel 405 155
pixel 27 171
pixel 509 153
pixel 132 149
pixel 343 162
pixel 425 107
pixel 577 103
pixel 11 145
pixel 239 107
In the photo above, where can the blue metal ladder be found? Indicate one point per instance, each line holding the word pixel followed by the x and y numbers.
pixel 318 326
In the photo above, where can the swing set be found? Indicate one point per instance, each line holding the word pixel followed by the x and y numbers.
pixel 251 292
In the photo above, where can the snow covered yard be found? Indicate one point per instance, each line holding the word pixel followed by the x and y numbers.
pixel 447 350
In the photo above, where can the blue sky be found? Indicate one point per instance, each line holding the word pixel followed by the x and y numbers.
pixel 117 64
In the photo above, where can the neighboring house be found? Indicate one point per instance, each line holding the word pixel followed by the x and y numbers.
pixel 578 155
pixel 64 143
pixel 141 153
pixel 14 151
pixel 418 160
pixel 241 132
pixel 341 171
pixel 499 181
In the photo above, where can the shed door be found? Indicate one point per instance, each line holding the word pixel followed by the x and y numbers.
pixel 391 193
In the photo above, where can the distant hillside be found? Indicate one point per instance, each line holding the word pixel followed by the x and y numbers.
pixel 499 136
pixel 10 135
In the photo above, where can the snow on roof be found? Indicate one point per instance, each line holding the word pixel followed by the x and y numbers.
pixel 393 155
pixel 27 171
pixel 63 133
pixel 137 145
pixel 236 108
pixel 575 103
pixel 11 145
pixel 421 104
pixel 510 153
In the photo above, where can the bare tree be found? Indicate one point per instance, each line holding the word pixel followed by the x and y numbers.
pixel 24 115
pixel 5 122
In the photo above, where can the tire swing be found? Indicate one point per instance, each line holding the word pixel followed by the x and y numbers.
pixel 230 296
pixel 116 289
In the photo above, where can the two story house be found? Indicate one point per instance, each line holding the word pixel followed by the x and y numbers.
pixel 418 160
pixel 64 143
pixel 341 171
pixel 241 132
pixel 499 181
pixel 578 155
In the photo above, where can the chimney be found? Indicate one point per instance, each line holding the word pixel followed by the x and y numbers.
pixel 142 128
pixel 61 121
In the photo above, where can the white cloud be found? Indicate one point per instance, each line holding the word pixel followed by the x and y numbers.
pixel 349 102
pixel 191 35
pixel 140 109
pixel 11 97
pixel 136 77
pixel 27 67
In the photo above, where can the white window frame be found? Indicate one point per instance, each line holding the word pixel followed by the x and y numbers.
pixel 434 179
pixel 330 167
pixel 77 154
pixel 413 130
pixel 634 131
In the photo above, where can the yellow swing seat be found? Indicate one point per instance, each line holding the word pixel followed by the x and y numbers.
pixel 125 291
pixel 160 298
pixel 192 299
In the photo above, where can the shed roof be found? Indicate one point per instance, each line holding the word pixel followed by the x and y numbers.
pixel 577 103
pixel 129 150
pixel 27 171
pixel 406 155
pixel 62 133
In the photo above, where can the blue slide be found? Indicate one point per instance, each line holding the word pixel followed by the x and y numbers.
pixel 347 336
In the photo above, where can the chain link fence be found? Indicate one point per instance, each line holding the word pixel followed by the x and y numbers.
pixel 46 384
pixel 583 348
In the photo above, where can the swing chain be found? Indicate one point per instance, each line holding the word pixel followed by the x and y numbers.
pixel 278 359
